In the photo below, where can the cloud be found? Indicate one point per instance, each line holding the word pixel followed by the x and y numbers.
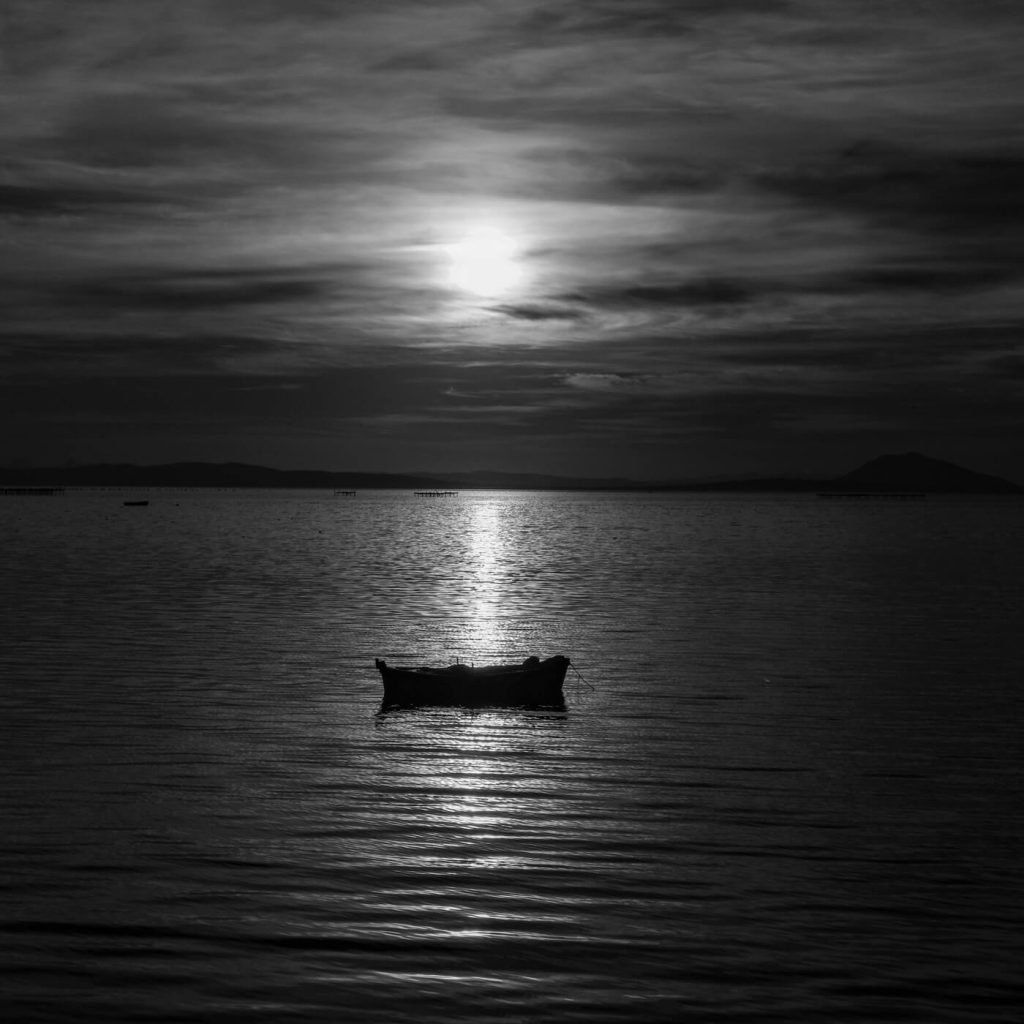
pixel 32 199
pixel 187 136
pixel 940 277
pixel 630 383
pixel 196 290
pixel 734 215
pixel 117 354
pixel 635 19
pixel 696 292
pixel 538 312
pixel 937 192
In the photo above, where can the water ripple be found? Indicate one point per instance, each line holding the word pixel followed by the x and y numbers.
pixel 793 792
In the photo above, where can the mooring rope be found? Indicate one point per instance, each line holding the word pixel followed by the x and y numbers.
pixel 580 674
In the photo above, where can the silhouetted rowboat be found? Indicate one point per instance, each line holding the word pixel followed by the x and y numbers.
pixel 533 683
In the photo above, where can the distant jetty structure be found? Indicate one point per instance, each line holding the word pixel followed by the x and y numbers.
pixel 435 494
pixel 32 491
pixel 345 493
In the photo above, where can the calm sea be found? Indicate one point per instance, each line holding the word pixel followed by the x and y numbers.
pixel 787 788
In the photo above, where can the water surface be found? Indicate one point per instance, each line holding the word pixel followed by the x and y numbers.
pixel 789 789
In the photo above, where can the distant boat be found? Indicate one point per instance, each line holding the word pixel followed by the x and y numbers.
pixel 136 502
pixel 532 683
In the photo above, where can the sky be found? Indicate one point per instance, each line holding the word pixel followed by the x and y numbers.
pixel 659 239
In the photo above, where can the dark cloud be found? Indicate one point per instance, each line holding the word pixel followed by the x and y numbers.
pixel 636 18
pixel 930 191
pixel 695 292
pixel 1008 367
pixel 416 60
pixel 146 130
pixel 707 291
pixel 195 290
pixel 661 177
pixel 846 359
pixel 91 355
pixel 29 200
pixel 578 116
pixel 781 408
pixel 538 311
pixel 941 277
pixel 596 174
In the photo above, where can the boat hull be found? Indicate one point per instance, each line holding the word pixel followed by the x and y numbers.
pixel 533 684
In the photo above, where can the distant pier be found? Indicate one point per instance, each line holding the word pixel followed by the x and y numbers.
pixel 346 493
pixel 34 491
pixel 435 494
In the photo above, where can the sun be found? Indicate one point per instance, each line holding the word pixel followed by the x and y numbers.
pixel 485 262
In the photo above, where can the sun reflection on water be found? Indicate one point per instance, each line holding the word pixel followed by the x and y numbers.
pixel 486 602
pixel 489 545
pixel 485 781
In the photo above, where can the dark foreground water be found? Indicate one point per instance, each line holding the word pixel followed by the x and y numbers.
pixel 794 792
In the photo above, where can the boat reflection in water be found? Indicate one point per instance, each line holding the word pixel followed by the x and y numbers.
pixel 532 683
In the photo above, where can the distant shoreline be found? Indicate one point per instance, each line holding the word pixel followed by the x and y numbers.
pixel 890 474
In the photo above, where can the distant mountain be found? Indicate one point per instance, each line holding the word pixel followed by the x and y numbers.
pixel 913 471
pixel 909 472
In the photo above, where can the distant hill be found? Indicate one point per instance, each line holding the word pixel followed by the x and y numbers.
pixel 206 474
pixel 238 474
pixel 913 471
pixel 909 472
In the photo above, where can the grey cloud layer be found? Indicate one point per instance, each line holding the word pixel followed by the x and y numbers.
pixel 764 202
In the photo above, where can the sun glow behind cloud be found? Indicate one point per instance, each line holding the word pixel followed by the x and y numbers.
pixel 485 262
